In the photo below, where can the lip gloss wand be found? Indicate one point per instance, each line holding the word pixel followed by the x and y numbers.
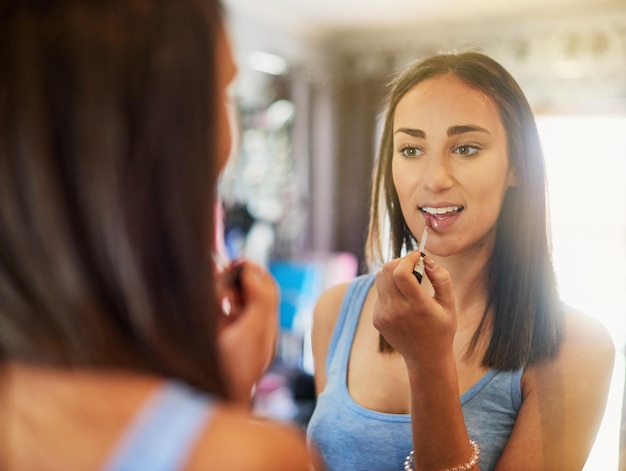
pixel 418 269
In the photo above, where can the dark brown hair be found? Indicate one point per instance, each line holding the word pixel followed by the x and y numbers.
pixel 527 324
pixel 107 185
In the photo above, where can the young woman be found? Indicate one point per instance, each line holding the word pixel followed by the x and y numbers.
pixel 479 366
pixel 114 350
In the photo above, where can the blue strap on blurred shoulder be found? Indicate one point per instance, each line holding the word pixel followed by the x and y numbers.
pixel 164 431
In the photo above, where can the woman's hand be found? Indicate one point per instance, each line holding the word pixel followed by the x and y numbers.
pixel 247 340
pixel 416 324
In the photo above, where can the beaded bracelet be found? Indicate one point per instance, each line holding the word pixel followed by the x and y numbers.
pixel 409 461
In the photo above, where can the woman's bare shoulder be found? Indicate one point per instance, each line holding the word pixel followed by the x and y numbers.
pixel 564 399
pixel 325 317
pixel 236 441
pixel 587 336
pixel 328 306
pixel 586 345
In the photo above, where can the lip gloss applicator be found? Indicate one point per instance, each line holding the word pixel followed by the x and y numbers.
pixel 418 269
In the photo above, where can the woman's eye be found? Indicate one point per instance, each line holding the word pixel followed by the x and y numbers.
pixel 466 150
pixel 411 151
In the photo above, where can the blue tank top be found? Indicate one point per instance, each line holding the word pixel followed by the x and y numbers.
pixel 349 436
pixel 164 431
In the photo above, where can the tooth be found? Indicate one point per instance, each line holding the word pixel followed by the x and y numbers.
pixel 448 209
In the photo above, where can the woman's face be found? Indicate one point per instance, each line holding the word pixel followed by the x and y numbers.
pixel 450 165
pixel 226 72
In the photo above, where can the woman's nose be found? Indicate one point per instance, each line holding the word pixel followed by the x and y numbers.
pixel 437 176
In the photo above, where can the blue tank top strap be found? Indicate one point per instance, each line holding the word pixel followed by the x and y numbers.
pixel 516 388
pixel 348 319
pixel 164 431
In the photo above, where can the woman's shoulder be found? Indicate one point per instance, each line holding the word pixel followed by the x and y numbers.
pixel 564 398
pixel 234 440
pixel 588 347
pixel 331 299
pixel 330 302
pixel 325 317
pixel 585 334
pixel 587 351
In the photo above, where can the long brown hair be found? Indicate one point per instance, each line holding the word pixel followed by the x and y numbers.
pixel 107 185
pixel 527 325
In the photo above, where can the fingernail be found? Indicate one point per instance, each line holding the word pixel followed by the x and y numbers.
pixel 430 263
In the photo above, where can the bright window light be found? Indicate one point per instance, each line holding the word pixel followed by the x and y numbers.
pixel 586 168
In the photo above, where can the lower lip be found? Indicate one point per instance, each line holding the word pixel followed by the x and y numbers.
pixel 441 222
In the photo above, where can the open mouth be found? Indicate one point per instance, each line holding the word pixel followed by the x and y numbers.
pixel 443 212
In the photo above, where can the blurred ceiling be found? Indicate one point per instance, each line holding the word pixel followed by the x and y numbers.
pixel 538 40
pixel 314 19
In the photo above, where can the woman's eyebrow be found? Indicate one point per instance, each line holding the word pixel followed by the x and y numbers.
pixel 455 130
pixel 411 132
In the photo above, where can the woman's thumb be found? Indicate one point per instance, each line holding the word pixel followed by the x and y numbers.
pixel 440 280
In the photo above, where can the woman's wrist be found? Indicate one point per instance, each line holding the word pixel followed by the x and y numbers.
pixel 409 462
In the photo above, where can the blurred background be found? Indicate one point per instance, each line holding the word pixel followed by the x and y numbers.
pixel 309 95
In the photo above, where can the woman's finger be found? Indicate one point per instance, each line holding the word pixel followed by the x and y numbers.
pixel 441 282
